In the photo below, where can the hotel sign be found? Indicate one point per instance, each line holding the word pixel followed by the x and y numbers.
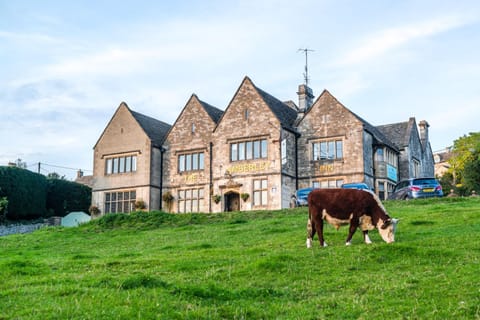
pixel 391 172
pixel 248 167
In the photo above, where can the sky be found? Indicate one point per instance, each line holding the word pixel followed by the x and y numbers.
pixel 65 66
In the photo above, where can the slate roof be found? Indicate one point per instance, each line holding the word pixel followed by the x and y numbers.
pixel 398 133
pixel 282 111
pixel 212 111
pixel 377 134
pixel 155 129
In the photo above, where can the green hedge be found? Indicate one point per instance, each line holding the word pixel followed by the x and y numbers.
pixel 31 195
pixel 26 192
pixel 66 196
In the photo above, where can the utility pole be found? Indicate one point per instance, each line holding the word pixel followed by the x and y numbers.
pixel 39 167
pixel 305 74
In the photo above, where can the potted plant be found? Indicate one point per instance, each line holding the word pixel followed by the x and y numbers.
pixel 245 196
pixel 216 198
pixel 168 199
pixel 94 211
pixel 140 204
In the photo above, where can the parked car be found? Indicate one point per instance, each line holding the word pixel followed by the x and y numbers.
pixel 356 185
pixel 300 198
pixel 417 188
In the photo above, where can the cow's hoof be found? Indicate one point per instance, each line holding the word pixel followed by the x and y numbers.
pixel 348 243
pixel 309 243
pixel 325 244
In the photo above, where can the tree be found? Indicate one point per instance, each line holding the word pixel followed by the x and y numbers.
pixel 465 162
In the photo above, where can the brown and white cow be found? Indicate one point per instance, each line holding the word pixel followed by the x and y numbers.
pixel 359 208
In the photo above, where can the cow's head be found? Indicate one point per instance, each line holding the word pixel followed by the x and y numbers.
pixel 387 230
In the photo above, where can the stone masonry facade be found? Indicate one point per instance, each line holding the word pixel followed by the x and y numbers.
pixel 252 155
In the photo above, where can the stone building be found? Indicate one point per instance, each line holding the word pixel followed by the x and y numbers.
pixel 336 146
pixel 127 162
pixel 416 156
pixel 253 155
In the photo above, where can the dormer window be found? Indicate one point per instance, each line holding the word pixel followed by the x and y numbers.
pixel 246 114
pixel 193 128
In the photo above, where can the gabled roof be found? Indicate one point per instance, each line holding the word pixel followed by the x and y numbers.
pixel 378 136
pixel 398 133
pixel 284 113
pixel 212 111
pixel 155 129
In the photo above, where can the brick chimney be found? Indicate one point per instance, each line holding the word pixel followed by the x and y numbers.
pixel 423 126
pixel 305 97
pixel 79 174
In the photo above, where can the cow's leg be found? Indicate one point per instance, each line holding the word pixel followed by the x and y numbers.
pixel 366 237
pixel 352 229
pixel 318 224
pixel 310 232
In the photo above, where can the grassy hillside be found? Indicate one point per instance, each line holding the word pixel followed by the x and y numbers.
pixel 247 265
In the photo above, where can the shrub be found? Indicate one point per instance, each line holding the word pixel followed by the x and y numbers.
pixel 26 192
pixel 66 196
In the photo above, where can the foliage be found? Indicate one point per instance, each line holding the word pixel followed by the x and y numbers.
pixel 54 175
pixel 217 198
pixel 94 210
pixel 26 192
pixel 66 196
pixel 465 163
pixel 246 265
pixel 244 196
pixel 3 208
pixel 140 204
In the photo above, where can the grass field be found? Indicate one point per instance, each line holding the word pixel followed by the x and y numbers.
pixel 246 265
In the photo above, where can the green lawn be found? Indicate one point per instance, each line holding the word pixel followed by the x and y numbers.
pixel 246 265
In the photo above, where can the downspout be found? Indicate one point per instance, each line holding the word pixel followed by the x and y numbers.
pixel 210 191
pixel 162 150
pixel 296 162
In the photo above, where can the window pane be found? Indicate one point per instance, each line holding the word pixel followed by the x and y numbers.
pixel 188 194
pixel 264 184
pixel 264 148
pixel 121 168
pixel 128 164
pixel 256 198
pixel 188 162
pixel 323 150
pixel 107 208
pixel 264 198
pixel 181 206
pixel 195 161
pixel 188 205
pixel 201 161
pixel 249 149
pixel 331 150
pixel 120 196
pixel 233 152
pixel 256 149
pixel 195 194
pixel 133 195
pixel 339 183
pixel 241 151
pixel 256 184
pixel 114 196
pixel 115 165
pixel 113 207
pixel 316 151
pixel 126 208
pixel 181 163
pixel 134 163
pixel 181 194
pixel 109 166
pixel 339 149
pixel 107 197
pixel 195 205
pixel 200 194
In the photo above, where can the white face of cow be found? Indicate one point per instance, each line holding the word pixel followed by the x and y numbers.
pixel 387 230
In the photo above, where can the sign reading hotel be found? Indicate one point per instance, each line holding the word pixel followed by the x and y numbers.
pixel 248 167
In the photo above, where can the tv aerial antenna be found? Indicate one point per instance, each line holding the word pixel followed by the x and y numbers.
pixel 305 74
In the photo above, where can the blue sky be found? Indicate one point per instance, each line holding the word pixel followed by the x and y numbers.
pixel 65 66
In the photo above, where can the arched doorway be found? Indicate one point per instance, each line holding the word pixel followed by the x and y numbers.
pixel 232 201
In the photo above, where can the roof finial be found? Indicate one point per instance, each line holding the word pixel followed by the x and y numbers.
pixel 305 74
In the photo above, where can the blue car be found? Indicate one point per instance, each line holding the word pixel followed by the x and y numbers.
pixel 300 198
pixel 356 185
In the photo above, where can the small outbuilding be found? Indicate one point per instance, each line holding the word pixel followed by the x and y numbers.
pixel 73 219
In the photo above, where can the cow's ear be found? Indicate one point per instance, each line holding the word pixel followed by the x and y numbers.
pixel 387 223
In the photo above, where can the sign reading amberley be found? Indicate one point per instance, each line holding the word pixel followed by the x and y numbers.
pixel 248 167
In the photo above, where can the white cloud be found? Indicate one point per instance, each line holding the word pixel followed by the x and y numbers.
pixel 378 44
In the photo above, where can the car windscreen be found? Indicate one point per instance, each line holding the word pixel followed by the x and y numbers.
pixel 424 181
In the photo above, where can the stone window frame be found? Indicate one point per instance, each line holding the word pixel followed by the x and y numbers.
pixel 186 165
pixel 260 192
pixel 190 200
pixel 121 164
pixel 330 147
pixel 124 199
pixel 252 149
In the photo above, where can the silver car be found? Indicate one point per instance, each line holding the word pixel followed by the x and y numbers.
pixel 417 188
